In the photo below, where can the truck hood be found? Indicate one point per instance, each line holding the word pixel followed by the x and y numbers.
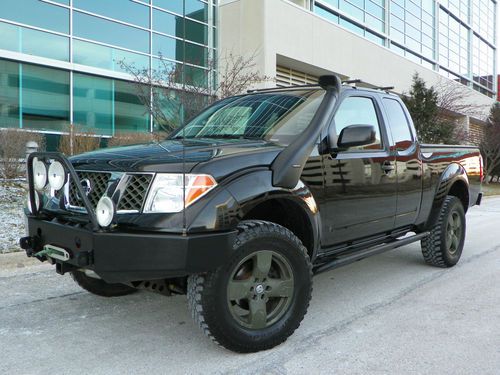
pixel 216 157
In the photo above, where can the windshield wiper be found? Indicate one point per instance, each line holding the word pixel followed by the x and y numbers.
pixel 220 136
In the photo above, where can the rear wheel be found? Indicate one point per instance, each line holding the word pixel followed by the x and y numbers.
pixel 443 247
pixel 100 287
pixel 258 299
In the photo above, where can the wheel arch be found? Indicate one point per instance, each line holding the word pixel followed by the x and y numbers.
pixel 453 181
pixel 295 209
pixel 460 190
pixel 290 214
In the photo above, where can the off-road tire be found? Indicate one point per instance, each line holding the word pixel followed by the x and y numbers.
pixel 208 293
pixel 100 287
pixel 435 248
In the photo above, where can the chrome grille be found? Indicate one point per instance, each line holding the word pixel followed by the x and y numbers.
pixel 135 192
pixel 99 185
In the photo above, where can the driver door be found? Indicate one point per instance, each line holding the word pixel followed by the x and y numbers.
pixel 360 182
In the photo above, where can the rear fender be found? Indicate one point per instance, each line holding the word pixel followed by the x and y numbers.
pixel 452 174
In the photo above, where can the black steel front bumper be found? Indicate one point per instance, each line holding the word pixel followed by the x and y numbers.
pixel 119 257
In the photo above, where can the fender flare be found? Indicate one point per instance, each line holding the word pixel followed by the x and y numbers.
pixel 248 191
pixel 452 174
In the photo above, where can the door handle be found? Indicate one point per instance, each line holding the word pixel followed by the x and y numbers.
pixel 387 167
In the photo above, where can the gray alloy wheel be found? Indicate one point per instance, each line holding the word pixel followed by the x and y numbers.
pixel 260 289
pixel 259 297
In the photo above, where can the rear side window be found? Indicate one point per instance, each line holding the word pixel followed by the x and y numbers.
pixel 400 128
pixel 357 110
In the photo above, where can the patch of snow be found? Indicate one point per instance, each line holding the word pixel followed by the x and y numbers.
pixel 12 199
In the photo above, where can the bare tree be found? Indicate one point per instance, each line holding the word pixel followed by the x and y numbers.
pixel 453 97
pixel 174 92
pixel 78 140
pixel 13 150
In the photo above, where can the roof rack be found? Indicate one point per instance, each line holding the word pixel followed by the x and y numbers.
pixel 367 85
pixel 284 88
pixel 310 85
pixel 352 81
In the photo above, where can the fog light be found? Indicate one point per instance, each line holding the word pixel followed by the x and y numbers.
pixel 105 211
pixel 57 175
pixel 37 203
pixel 39 174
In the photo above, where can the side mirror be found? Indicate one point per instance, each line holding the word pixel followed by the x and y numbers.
pixel 356 135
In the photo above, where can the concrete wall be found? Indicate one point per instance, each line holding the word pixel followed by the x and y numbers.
pixel 278 31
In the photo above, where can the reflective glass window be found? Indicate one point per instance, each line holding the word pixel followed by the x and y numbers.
pixel 45 98
pixel 105 57
pixel 375 38
pixel 196 9
pixel 130 113
pixel 168 47
pixel 334 3
pixel 483 58
pixel 123 10
pixel 196 76
pixel 400 128
pixel 484 18
pixel 351 26
pixel 356 110
pixel 93 103
pixel 9 92
pixel 105 31
pixel 196 54
pixel 168 23
pixel 108 105
pixel 10 39
pixel 326 14
pixel 175 6
pixel 43 44
pixel 36 13
pixel 196 32
pixel 453 44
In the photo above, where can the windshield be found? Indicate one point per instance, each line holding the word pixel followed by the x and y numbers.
pixel 272 116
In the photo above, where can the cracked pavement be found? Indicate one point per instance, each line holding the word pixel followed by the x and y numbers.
pixel 388 314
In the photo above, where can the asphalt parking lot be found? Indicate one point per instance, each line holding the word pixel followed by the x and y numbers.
pixel 390 314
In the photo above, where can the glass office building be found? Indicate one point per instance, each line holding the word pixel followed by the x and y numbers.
pixel 60 60
pixel 457 38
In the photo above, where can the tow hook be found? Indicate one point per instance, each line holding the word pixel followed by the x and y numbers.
pixel 29 244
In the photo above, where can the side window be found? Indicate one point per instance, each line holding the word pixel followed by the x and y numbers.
pixel 357 110
pixel 400 128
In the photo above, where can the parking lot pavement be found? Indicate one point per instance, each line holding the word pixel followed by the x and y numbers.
pixel 387 314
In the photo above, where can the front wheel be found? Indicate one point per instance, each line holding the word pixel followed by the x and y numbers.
pixel 443 247
pixel 258 299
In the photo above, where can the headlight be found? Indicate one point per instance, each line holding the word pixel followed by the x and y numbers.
pixel 57 175
pixel 39 174
pixel 167 192
pixel 37 203
pixel 105 211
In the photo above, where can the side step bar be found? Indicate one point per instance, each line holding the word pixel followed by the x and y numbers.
pixel 340 260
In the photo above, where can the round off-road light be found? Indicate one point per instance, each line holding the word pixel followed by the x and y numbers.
pixel 37 203
pixel 57 175
pixel 105 211
pixel 39 174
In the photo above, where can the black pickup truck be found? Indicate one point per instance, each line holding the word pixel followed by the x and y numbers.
pixel 239 208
